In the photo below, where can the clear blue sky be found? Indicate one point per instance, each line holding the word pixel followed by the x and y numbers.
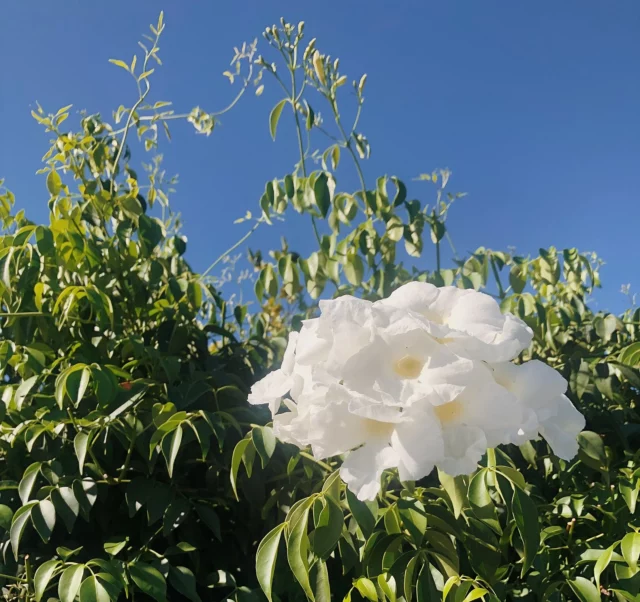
pixel 535 106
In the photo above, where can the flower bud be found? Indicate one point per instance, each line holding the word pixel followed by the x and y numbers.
pixel 318 65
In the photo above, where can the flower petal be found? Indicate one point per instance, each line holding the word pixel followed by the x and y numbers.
pixel 418 443
pixel 464 446
pixel 562 430
pixel 363 468
pixel 270 390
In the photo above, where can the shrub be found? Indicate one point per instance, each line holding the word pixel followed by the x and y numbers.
pixel 132 465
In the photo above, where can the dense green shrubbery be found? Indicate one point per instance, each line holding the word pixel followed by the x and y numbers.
pixel 132 465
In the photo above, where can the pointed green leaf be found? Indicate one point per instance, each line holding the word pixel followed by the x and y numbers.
pixel 149 580
pixel 236 459
pixel 322 194
pixel 602 563
pixel 43 576
pixel 80 443
pixel 367 589
pixel 28 480
pixel 585 590
pixel 171 446
pixel 298 549
pixel 67 506
pixel 526 517
pixel 43 517
pixel 266 559
pixel 18 524
pixel 114 545
pixel 54 183
pixel 69 583
pixel 183 580
pixel 274 117
pixel 92 590
pixel 265 443
pixel 630 548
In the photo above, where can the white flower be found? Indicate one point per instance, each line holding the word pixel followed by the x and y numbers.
pixel 406 383
pixel 467 321
pixel 547 410
pixel 386 437
pixel 275 385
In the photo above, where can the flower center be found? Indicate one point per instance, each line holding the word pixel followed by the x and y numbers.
pixel 448 412
pixel 375 428
pixel 408 366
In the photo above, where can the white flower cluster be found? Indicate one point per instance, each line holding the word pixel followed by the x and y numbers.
pixel 421 379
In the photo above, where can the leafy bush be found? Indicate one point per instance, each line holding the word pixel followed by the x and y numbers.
pixel 132 465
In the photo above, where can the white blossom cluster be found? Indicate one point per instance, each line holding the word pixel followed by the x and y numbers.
pixel 423 378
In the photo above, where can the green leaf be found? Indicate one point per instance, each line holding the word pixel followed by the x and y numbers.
pixel 175 514
pixel 354 270
pixel 236 459
pixel 54 183
pixel 630 548
pixel 92 590
pixel 605 326
pixel 602 563
pixel 171 446
pixel 80 443
pixel 183 580
pixel 481 502
pixel 265 443
pixel 328 528
pixel 518 278
pixel 23 390
pixel 585 590
pixel 413 518
pixel 298 548
pixel 149 580
pixel 67 506
pixel 322 193
pixel 476 594
pixel 210 518
pixel 408 577
pixel 367 589
pixel 115 545
pixel 274 117
pixel 43 576
pixel 630 355
pixel 364 513
pixel 456 488
pixel 69 583
pixel 86 492
pixel 388 586
pixel 28 481
pixel 6 514
pixel 592 446
pixel 266 557
pixel 18 524
pixel 323 587
pixel 43 517
pixel 526 517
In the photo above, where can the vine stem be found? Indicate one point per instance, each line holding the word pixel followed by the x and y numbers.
pixel 303 164
pixel 318 462
pixel 231 249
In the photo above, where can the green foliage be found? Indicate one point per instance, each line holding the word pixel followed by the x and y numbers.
pixel 131 464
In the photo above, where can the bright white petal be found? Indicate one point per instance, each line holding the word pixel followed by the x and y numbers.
pixel 562 430
pixel 464 446
pixel 270 390
pixel 419 444
pixel 289 358
pixel 363 468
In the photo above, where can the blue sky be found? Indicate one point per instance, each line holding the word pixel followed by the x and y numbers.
pixel 534 106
